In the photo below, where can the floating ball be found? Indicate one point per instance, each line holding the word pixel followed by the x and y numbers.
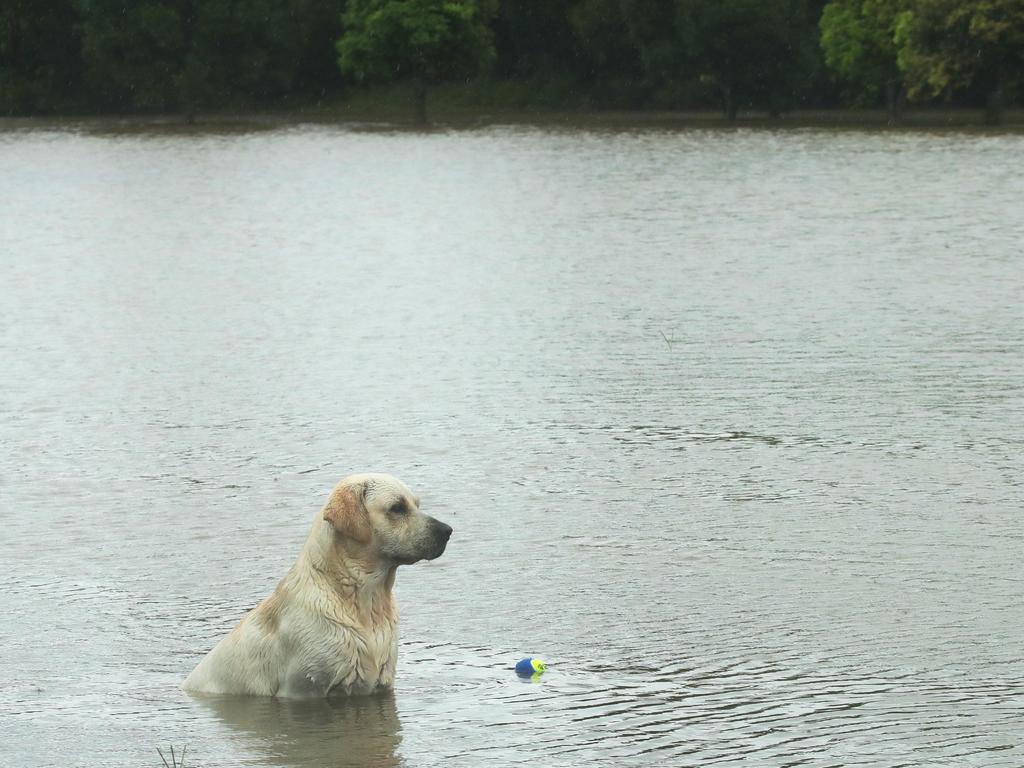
pixel 530 666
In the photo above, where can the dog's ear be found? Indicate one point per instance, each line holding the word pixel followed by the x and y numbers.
pixel 346 511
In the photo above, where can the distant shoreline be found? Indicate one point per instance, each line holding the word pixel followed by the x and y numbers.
pixel 391 115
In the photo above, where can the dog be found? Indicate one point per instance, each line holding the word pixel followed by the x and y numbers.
pixel 331 626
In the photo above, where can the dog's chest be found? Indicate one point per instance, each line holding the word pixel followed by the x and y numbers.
pixel 354 660
pixel 377 653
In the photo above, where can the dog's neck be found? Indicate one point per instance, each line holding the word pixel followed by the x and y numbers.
pixel 350 574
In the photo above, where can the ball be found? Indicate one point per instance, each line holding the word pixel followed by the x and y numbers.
pixel 530 666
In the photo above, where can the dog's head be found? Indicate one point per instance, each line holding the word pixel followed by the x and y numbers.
pixel 379 512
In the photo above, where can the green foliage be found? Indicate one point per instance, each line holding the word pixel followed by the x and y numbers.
pixel 858 38
pixel 425 40
pixel 605 61
pixel 183 54
pixel 134 52
pixel 935 47
pixel 258 52
pixel 754 50
pixel 187 55
pixel 664 47
pixel 534 39
pixel 39 62
pixel 947 46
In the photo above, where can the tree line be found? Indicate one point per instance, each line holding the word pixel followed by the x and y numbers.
pixel 124 56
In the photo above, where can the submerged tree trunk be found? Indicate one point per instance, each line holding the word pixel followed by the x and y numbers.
pixel 729 103
pixel 419 96
pixel 895 99
pixel 189 82
pixel 994 105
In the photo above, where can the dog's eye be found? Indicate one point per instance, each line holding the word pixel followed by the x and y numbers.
pixel 399 508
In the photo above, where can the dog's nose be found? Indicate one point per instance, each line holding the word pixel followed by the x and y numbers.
pixel 445 531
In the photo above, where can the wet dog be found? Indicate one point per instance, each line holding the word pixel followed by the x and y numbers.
pixel 331 625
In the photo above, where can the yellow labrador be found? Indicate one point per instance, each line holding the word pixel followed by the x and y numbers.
pixel 331 625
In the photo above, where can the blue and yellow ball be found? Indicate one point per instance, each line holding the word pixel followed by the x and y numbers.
pixel 530 666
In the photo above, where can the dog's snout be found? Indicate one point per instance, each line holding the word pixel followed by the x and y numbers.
pixel 444 531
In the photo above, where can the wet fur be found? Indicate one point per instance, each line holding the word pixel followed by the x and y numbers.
pixel 331 625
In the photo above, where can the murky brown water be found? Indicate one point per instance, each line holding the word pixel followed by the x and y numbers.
pixel 728 425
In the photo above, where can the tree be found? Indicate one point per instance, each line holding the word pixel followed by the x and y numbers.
pixel 858 38
pixel 157 55
pixel 607 58
pixel 134 52
pixel 663 47
pixel 422 41
pixel 533 38
pixel 946 46
pixel 753 50
pixel 260 51
pixel 39 56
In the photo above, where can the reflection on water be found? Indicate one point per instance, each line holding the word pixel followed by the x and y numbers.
pixel 333 733
pixel 727 425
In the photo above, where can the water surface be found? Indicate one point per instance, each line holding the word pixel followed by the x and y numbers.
pixel 728 425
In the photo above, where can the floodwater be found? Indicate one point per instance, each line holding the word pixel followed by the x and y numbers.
pixel 728 425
